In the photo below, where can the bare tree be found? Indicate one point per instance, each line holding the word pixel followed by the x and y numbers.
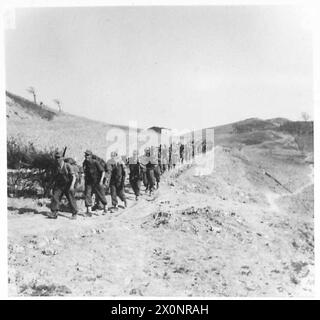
pixel 33 92
pixel 58 102
pixel 305 116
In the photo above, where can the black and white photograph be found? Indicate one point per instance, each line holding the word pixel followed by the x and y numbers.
pixel 160 151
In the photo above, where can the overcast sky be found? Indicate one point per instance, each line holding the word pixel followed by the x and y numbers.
pixel 179 67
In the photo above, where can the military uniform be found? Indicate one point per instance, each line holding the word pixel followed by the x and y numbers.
pixel 105 186
pixel 174 156
pixel 135 175
pixel 116 174
pixel 164 158
pixel 157 174
pixel 63 176
pixel 149 163
pixel 181 149
pixel 93 172
pixel 154 155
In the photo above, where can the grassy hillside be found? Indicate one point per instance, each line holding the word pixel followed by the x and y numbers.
pixel 21 108
pixel 46 129
pixel 277 132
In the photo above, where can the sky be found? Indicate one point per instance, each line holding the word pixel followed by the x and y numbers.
pixel 177 67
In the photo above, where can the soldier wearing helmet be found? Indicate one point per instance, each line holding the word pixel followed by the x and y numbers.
pixel 136 173
pixel 64 181
pixel 116 176
pixel 149 162
pixel 94 176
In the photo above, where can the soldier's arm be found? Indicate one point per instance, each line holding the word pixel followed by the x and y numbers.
pixel 123 174
pixel 102 177
pixel 83 169
pixel 74 178
pixel 108 170
pixel 101 171
pixel 73 174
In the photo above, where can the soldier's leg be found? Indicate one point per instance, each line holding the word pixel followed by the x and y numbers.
pixel 133 185
pixel 55 201
pixel 113 191
pixel 145 180
pixel 138 188
pixel 97 202
pixel 157 175
pixel 72 201
pixel 122 195
pixel 88 197
pixel 100 194
pixel 151 180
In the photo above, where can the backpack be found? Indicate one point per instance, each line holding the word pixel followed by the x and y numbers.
pixel 118 173
pixel 76 169
pixel 100 160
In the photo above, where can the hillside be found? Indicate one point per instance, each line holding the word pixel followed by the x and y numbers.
pixel 234 232
pixel 19 108
pixel 49 130
pixel 272 133
pixel 242 227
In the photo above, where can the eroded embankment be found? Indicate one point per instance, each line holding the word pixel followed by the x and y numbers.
pixel 213 235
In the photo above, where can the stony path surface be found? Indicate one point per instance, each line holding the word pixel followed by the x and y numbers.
pixel 217 235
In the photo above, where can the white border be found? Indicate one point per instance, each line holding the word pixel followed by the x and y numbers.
pixel 71 3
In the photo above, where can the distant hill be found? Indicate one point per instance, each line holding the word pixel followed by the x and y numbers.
pixel 278 121
pixel 158 129
pixel 250 125
pixel 47 128
pixel 268 133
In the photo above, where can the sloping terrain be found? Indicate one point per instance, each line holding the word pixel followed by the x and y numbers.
pixel 27 122
pixel 244 228
pixel 234 232
pixel 19 108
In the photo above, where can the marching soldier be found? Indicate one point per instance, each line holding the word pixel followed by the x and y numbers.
pixel 181 150
pixel 64 181
pixel 136 174
pixel 164 158
pixel 97 205
pixel 154 154
pixel 174 155
pixel 149 163
pixel 116 177
pixel 94 176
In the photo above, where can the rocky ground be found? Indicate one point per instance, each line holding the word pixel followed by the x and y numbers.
pixel 234 232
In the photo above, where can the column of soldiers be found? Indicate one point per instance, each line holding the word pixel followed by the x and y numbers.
pixel 100 176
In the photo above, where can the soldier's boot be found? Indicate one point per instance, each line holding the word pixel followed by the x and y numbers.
pixel 105 209
pixel 137 198
pixel 89 212
pixel 114 208
pixel 74 216
pixel 125 203
pixel 53 215
pixel 96 206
